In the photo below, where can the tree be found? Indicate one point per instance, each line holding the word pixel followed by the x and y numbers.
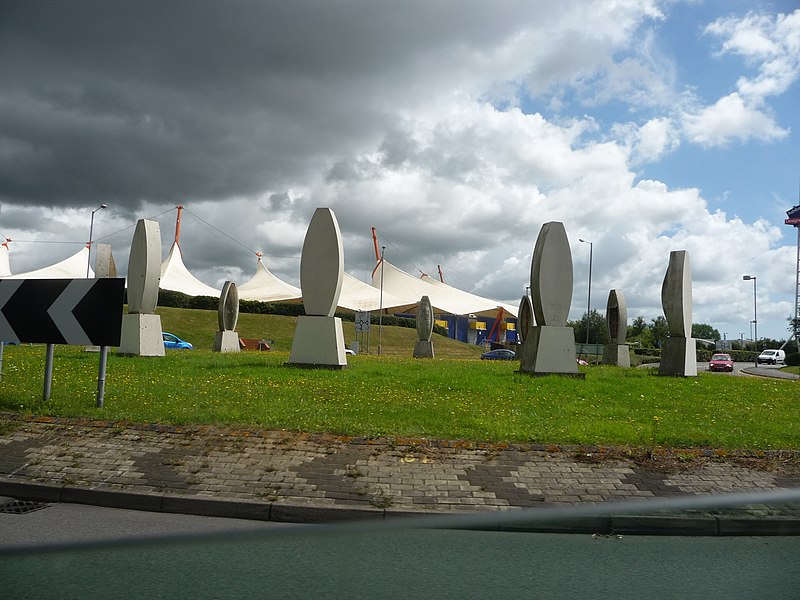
pixel 704 331
pixel 659 330
pixel 794 328
pixel 598 333
pixel 638 326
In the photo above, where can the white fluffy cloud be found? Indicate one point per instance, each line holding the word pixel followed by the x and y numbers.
pixel 731 118
pixel 771 45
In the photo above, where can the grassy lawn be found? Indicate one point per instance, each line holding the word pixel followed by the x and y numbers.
pixel 452 397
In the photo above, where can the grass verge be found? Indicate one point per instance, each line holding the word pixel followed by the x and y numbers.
pixel 440 398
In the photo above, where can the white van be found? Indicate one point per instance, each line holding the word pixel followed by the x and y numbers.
pixel 772 357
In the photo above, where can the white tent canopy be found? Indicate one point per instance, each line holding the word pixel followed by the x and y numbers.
pixel 176 277
pixel 73 267
pixel 357 295
pixel 512 310
pixel 5 266
pixel 444 298
pixel 266 287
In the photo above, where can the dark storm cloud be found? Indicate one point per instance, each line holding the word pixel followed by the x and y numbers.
pixel 164 101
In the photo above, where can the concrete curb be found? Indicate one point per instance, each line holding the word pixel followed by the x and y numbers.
pixel 677 525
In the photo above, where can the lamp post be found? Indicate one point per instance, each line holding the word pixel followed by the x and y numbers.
pixel 755 312
pixel 380 313
pixel 91 227
pixel 589 302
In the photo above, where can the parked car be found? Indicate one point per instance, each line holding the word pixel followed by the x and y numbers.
pixel 720 362
pixel 174 342
pixel 499 354
pixel 772 357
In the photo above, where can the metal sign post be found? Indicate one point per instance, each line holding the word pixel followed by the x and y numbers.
pixel 48 371
pixel 85 312
pixel 101 376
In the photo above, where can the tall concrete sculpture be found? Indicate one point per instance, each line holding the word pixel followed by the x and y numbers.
pixel 616 351
pixel 104 265
pixel 525 320
pixel 679 355
pixel 318 337
pixel 550 346
pixel 424 346
pixel 141 327
pixel 226 339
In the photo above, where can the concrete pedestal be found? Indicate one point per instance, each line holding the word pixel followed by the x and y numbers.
pixel 550 350
pixel 679 357
pixel 318 343
pixel 617 355
pixel 423 349
pixel 141 335
pixel 226 341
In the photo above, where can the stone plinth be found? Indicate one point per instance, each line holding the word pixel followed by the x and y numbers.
pixel 617 354
pixel 318 343
pixel 226 341
pixel 141 335
pixel 423 349
pixel 550 350
pixel 679 357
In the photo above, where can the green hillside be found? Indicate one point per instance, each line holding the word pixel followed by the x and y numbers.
pixel 199 327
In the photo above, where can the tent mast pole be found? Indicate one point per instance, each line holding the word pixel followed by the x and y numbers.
pixel 178 224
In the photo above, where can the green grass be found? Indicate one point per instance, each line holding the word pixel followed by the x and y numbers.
pixel 199 326
pixel 451 398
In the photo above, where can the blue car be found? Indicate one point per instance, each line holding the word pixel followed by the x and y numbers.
pixel 499 354
pixel 173 341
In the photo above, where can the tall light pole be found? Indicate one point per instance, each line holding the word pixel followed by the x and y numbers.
pixel 91 227
pixel 589 302
pixel 380 313
pixel 755 311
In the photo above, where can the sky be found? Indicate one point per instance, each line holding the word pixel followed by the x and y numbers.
pixel 456 129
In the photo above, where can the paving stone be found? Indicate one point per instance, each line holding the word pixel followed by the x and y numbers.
pixel 327 472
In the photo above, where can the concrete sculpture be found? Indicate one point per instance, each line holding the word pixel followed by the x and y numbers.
pixel 679 355
pixel 550 346
pixel 318 337
pixel 424 346
pixel 141 327
pixel 525 321
pixel 104 265
pixel 226 339
pixel 616 351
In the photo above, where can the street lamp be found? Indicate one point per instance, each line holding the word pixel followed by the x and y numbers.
pixel 91 227
pixel 755 311
pixel 380 312
pixel 589 302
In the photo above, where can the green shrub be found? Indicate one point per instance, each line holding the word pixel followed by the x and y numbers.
pixel 793 360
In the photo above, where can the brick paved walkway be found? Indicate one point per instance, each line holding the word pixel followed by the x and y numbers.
pixel 280 473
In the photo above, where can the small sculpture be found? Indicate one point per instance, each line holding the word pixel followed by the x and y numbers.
pixel 424 346
pixel 525 321
pixel 679 355
pixel 616 351
pixel 226 339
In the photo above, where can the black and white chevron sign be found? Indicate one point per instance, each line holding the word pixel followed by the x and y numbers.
pixel 85 312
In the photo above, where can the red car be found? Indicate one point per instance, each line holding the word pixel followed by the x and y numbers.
pixel 721 362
